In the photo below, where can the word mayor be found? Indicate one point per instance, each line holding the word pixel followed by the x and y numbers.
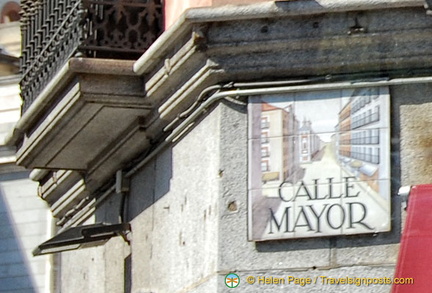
pixel 312 208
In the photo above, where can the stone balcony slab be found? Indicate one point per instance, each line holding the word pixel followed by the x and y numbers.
pixel 90 106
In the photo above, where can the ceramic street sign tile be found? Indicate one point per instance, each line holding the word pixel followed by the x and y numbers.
pixel 319 164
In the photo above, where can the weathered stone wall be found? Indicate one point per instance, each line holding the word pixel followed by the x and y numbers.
pixel 413 107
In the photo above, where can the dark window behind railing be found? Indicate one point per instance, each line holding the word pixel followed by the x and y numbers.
pixel 54 31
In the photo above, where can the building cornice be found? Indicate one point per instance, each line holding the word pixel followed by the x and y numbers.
pixel 8 80
pixel 264 10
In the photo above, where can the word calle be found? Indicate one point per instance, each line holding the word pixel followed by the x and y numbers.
pixel 317 194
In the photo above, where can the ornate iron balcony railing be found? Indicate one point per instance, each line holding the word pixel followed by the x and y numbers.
pixel 55 30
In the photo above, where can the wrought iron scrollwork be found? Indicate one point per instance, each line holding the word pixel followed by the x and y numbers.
pixel 120 26
pixel 54 31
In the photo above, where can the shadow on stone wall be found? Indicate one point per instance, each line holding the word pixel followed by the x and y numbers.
pixel 144 194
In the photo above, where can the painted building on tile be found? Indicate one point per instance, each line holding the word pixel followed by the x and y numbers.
pixel 362 136
pixel 310 143
pixel 167 141
pixel 279 158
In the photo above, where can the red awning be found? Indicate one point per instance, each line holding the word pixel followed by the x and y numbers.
pixel 415 255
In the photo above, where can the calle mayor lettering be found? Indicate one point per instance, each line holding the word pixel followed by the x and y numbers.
pixel 318 206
